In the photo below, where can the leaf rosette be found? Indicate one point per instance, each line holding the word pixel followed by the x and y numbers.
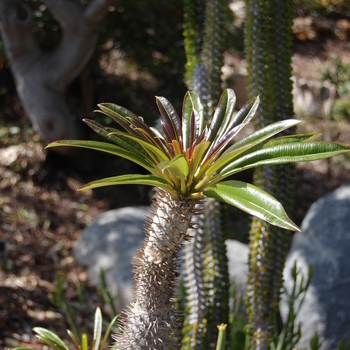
pixel 191 160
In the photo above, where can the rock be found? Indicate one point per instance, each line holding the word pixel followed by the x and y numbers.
pixel 237 254
pixel 324 244
pixel 110 243
pixel 313 97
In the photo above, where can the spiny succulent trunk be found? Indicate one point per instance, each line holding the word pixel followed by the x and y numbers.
pixel 151 321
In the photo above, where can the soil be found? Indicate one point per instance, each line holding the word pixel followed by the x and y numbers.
pixel 42 214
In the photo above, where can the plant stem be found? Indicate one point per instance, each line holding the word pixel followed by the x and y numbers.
pixel 151 321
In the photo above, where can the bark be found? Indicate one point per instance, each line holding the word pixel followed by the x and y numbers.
pixel 42 77
pixel 151 321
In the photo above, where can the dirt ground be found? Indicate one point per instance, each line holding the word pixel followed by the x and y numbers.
pixel 42 214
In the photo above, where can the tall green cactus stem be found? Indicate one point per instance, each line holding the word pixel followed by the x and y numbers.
pixel 204 43
pixel 268 49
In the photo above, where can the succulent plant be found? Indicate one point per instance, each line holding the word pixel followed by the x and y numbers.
pixel 188 161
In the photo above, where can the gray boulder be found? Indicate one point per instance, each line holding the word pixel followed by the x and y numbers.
pixel 325 245
pixel 110 243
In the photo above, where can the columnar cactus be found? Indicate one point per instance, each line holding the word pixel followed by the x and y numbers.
pixel 206 262
pixel 268 49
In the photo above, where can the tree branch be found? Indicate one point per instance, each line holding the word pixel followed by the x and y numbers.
pixel 96 10
pixel 15 25
pixel 66 12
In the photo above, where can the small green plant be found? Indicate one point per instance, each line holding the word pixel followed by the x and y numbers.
pixel 56 343
pixel 291 333
pixel 188 162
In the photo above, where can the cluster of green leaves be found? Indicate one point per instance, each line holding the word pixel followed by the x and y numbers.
pixel 55 342
pixel 189 160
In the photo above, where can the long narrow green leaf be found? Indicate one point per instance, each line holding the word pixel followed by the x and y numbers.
pixel 222 115
pixel 74 339
pixel 117 111
pixel 253 201
pixel 97 329
pixel 263 134
pixel 226 158
pixel 50 338
pixel 131 179
pixel 108 332
pixel 198 153
pixel 169 114
pixel 149 147
pixel 191 103
pixel 122 120
pixel 285 153
pixel 105 147
pixel 246 113
pixel 115 136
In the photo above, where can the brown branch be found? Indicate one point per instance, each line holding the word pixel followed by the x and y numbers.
pixel 96 10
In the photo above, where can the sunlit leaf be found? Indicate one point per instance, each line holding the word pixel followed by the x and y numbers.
pixel 74 339
pixel 116 137
pixel 246 113
pixel 130 179
pixel 227 157
pixel 97 329
pixel 285 153
pixel 84 342
pixel 149 147
pixel 50 338
pixel 105 147
pixel 179 162
pixel 253 201
pixel 169 115
pixel 197 155
pixel 263 134
pixel 114 320
pixel 116 111
pixel 191 104
pixel 222 115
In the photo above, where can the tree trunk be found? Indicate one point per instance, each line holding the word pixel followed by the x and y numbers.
pixel 151 322
pixel 42 77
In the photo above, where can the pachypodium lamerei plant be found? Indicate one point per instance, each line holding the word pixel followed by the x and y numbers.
pixel 187 162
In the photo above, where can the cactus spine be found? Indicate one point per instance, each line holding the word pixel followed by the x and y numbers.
pixel 268 50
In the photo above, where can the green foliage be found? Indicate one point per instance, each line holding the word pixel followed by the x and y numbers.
pixel 291 333
pixel 59 301
pixel 181 159
pixel 56 343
